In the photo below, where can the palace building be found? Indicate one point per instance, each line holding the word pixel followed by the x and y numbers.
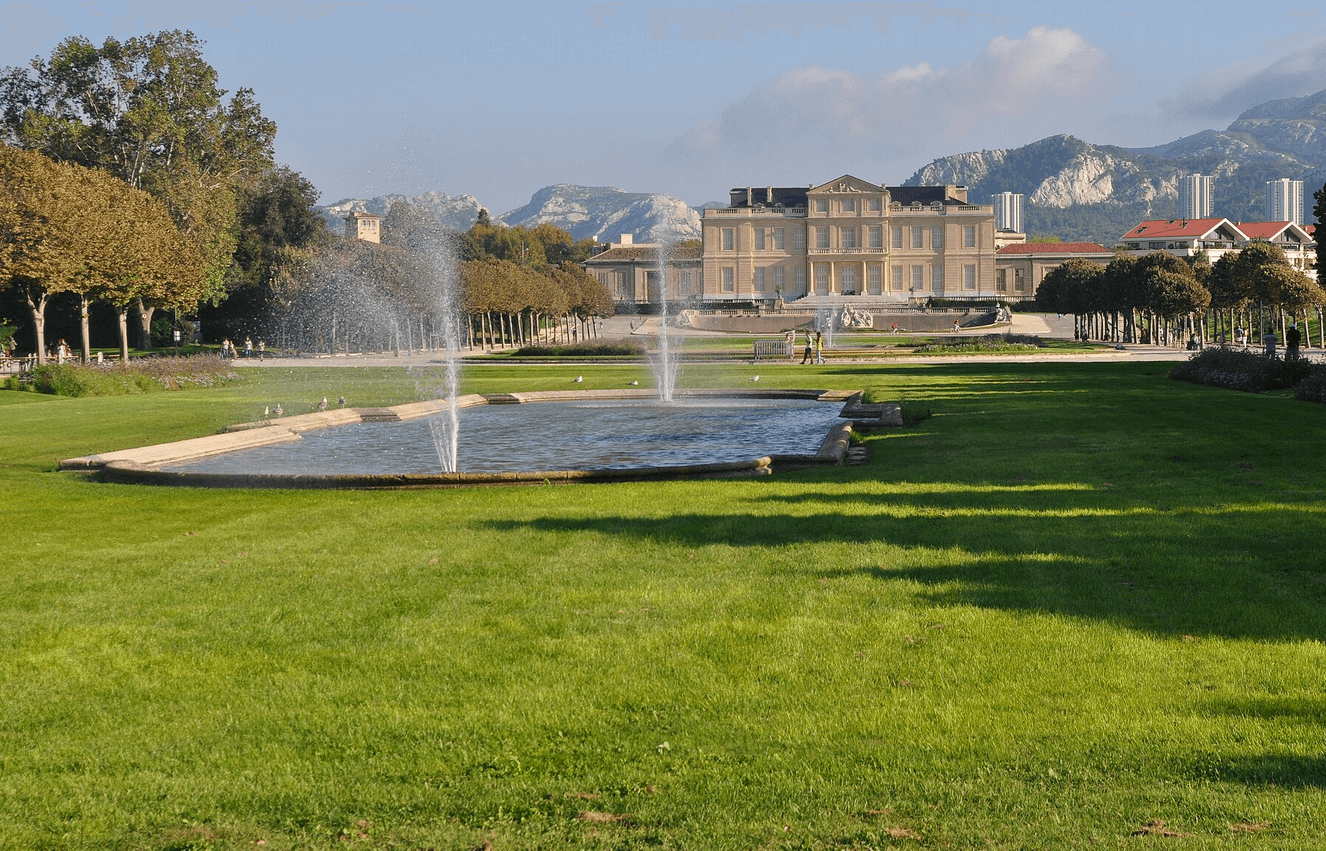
pixel 848 240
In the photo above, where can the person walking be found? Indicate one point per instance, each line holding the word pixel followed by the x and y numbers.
pixel 1292 340
pixel 819 347
pixel 805 354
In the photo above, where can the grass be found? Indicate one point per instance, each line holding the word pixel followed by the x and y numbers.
pixel 1077 602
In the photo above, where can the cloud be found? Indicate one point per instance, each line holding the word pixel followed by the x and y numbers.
pixel 1219 97
pixel 1017 90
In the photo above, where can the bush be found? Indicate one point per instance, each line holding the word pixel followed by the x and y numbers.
pixel 1313 387
pixel 1239 370
pixel 144 375
pixel 582 350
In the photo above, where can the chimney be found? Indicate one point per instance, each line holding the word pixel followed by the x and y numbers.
pixel 768 195
pixel 750 196
pixel 627 239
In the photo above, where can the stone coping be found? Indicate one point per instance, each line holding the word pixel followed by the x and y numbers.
pixel 144 464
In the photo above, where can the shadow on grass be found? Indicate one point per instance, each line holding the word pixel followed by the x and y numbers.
pixel 1156 570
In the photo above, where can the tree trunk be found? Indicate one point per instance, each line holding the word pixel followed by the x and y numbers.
pixel 83 325
pixel 123 315
pixel 145 321
pixel 38 306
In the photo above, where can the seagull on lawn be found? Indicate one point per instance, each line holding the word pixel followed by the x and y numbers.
pixel 754 378
pixel 322 406
pixel 341 401
pixel 634 383
pixel 578 379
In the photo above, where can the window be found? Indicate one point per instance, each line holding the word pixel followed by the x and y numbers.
pixel 757 279
pixel 847 280
pixel 686 283
pixel 822 277
pixel 873 205
pixel 821 238
pixel 895 279
pixel 918 237
pixel 918 278
pixel 937 238
pixel 876 236
pixel 729 279
pixel 799 239
pixel 1019 281
pixel 727 239
pixel 849 205
pixel 874 278
pixel 847 238
pixel 800 279
pixel 969 236
pixel 821 205
pixel 937 278
pixel 778 239
pixel 896 236
pixel 778 278
pixel 758 233
pixel 1001 280
pixel 969 277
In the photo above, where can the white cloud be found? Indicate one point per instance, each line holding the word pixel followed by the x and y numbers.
pixel 1016 91
pixel 1219 97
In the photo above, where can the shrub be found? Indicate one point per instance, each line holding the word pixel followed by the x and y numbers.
pixel 582 350
pixel 1239 370
pixel 1313 387
pixel 144 375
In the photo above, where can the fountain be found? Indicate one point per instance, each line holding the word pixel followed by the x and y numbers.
pixel 664 367
pixel 445 428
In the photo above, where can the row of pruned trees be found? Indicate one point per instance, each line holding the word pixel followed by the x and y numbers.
pixel 1161 298
pixel 66 228
pixel 351 295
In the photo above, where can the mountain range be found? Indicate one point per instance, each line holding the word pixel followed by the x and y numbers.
pixel 1074 190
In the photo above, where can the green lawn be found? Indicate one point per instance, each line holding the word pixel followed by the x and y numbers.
pixel 1079 602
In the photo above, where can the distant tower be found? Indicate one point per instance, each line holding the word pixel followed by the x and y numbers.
pixel 365 226
pixel 1008 211
pixel 1195 191
pixel 1284 201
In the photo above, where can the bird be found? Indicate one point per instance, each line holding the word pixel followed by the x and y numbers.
pixel 754 378
pixel 322 406
pixel 577 379
pixel 341 401
pixel 634 383
pixel 267 410
pixel 278 409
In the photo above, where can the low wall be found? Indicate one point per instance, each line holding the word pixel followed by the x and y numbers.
pixel 777 323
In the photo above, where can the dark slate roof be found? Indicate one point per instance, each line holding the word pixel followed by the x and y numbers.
pixel 785 195
pixel 927 195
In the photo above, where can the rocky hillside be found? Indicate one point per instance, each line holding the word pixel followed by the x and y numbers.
pixel 602 212
pixel 1079 191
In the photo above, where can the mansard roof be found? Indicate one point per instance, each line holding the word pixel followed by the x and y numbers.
pixel 787 196
pixel 925 195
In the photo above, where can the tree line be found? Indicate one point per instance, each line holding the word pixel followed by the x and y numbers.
pixel 1160 298
pixel 183 178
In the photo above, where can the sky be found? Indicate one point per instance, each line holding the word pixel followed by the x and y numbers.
pixel 500 99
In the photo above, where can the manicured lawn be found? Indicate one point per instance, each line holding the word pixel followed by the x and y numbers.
pixel 1078 602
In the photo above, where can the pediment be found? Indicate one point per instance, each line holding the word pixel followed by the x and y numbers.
pixel 847 184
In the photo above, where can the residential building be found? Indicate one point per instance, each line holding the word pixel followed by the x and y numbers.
pixel 1020 267
pixel 1217 237
pixel 848 239
pixel 1284 201
pixel 1008 211
pixel 1195 194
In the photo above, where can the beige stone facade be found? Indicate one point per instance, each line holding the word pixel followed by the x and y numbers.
pixel 631 273
pixel 365 226
pixel 1020 267
pixel 849 238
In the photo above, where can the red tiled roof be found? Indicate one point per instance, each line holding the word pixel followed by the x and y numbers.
pixel 1263 230
pixel 1054 248
pixel 1169 228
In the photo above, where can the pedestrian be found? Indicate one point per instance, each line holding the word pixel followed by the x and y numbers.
pixel 810 345
pixel 819 347
pixel 248 347
pixel 1292 340
pixel 262 350
pixel 790 343
pixel 956 326
pixel 1240 338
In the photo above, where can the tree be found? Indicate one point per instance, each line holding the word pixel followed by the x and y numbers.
pixel 149 111
pixel 1319 210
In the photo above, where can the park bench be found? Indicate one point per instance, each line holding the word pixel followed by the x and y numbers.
pixel 772 349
